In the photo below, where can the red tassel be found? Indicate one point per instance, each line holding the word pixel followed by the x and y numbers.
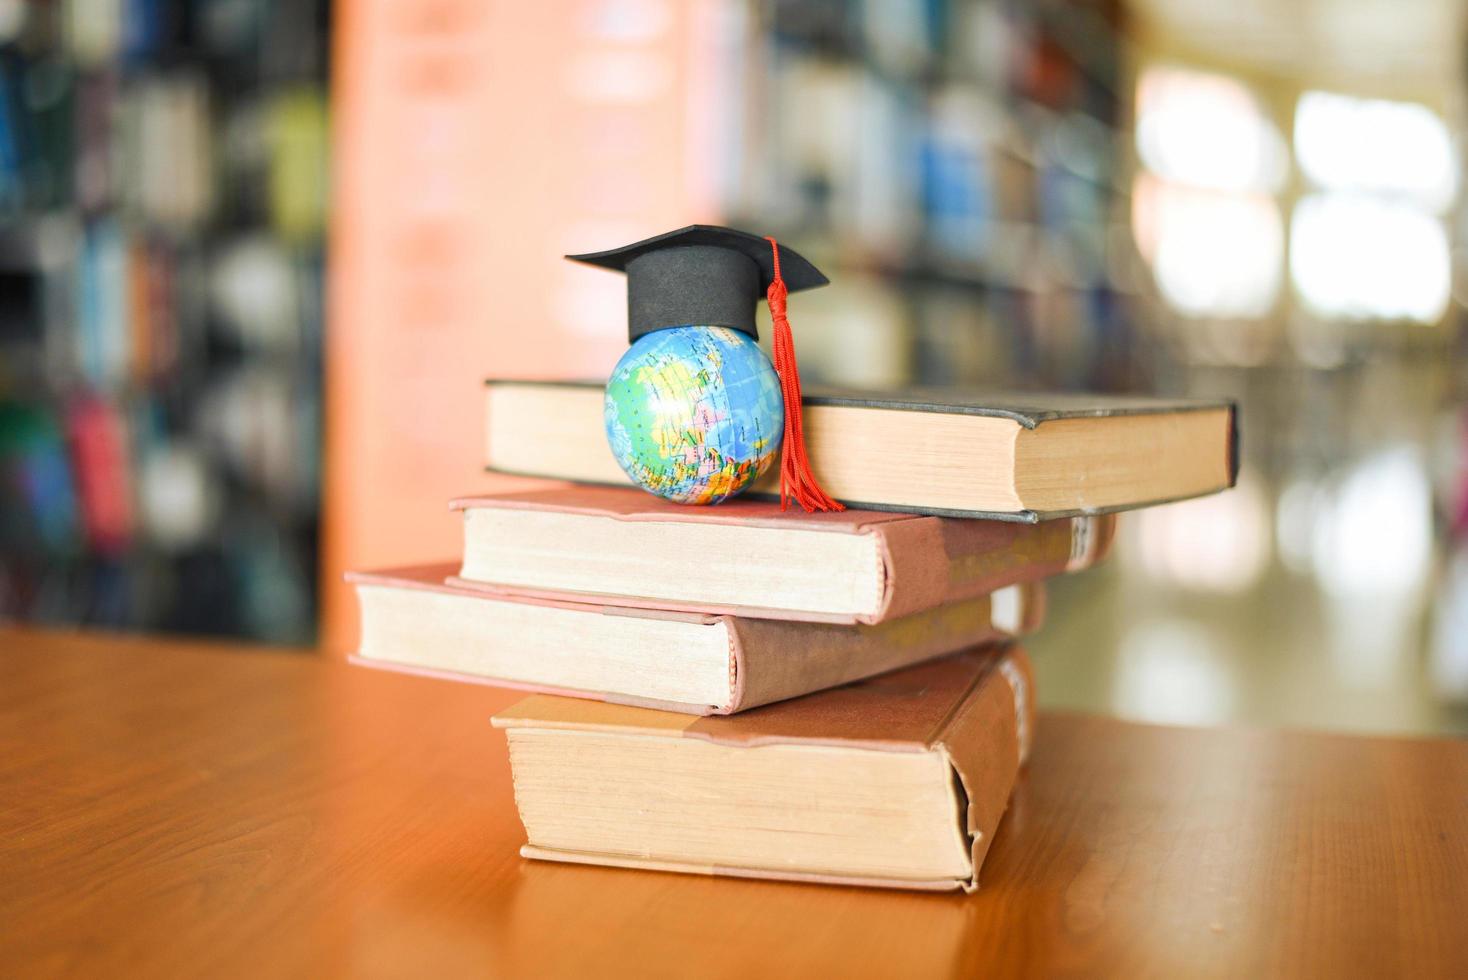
pixel 796 478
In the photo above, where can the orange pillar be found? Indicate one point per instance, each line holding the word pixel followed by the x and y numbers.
pixel 475 142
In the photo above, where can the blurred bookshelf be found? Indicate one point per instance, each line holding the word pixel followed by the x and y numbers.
pixel 956 166
pixel 966 171
pixel 162 195
pixel 976 174
pixel 983 183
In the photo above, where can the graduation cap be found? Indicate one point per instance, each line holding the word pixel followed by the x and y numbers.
pixel 701 275
pixel 708 275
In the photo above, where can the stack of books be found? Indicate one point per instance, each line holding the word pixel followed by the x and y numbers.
pixel 748 691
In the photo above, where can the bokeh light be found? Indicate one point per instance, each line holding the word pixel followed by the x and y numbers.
pixel 1399 148
pixel 1360 257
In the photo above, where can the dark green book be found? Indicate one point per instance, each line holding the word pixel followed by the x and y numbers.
pixel 1013 457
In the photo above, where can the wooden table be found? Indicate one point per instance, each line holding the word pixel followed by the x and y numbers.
pixel 184 809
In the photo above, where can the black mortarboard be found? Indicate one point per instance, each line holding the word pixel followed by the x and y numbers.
pixel 700 275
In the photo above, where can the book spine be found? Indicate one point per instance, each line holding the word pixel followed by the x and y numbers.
pixel 987 742
pixel 931 562
pixel 775 660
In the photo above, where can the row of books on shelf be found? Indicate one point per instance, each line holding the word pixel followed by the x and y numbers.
pixel 103 306
pixel 952 176
pixel 256 579
pixel 162 208
pixel 1039 51
pixel 871 135
pixel 95 474
pixel 877 335
pixel 108 519
pixel 245 36
pixel 750 691
pixel 161 150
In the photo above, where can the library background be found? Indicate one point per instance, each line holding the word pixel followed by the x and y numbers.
pixel 217 392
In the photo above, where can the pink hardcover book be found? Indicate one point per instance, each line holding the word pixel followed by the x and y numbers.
pixel 697 663
pixel 747 558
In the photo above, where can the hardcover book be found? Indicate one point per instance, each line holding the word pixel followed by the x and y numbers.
pixel 899 781
pixel 620 546
pixel 1015 457
pixel 687 662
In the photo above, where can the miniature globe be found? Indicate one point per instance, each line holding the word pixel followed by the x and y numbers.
pixel 694 414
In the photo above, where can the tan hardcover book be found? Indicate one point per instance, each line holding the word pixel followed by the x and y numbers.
pixel 688 662
pixel 957 454
pixel 899 781
pixel 620 546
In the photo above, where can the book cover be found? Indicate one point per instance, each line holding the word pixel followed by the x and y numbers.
pixel 921 562
pixel 464 634
pixel 967 454
pixel 975 708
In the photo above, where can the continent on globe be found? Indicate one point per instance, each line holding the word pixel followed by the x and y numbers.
pixel 694 413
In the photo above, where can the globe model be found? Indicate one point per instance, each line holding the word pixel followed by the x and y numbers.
pixel 694 414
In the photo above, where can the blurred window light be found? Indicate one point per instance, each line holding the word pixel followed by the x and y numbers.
pixel 1207 130
pixel 1171 672
pixel 630 21
pixel 1374 541
pixel 1398 148
pixel 622 77
pixel 1212 253
pixel 1216 544
pixel 1362 257
pixel 1448 655
pixel 1300 500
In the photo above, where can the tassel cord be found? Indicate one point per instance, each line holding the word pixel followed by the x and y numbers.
pixel 797 480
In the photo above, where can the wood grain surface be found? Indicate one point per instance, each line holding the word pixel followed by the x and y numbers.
pixel 186 809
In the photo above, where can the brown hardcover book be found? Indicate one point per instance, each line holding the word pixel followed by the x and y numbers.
pixel 688 662
pixel 1010 457
pixel 620 546
pixel 898 781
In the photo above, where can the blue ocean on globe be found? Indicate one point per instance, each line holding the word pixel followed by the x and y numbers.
pixel 694 413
